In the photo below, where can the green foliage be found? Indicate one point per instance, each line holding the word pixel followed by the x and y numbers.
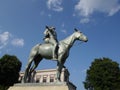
pixel 103 74
pixel 9 70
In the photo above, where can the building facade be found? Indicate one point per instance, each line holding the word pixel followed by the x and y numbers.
pixel 46 76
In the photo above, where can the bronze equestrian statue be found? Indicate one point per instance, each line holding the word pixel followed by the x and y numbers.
pixel 52 50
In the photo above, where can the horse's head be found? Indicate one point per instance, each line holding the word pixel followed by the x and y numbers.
pixel 80 36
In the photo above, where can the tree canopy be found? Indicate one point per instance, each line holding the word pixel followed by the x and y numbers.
pixel 9 70
pixel 103 74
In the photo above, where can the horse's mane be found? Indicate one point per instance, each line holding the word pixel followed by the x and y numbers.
pixel 67 39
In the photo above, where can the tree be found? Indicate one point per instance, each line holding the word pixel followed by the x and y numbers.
pixel 103 74
pixel 9 71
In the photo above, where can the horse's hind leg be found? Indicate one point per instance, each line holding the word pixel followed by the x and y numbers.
pixel 26 74
pixel 37 60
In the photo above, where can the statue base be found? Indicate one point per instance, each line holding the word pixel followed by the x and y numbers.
pixel 44 86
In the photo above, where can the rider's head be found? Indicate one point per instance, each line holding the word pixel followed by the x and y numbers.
pixel 50 28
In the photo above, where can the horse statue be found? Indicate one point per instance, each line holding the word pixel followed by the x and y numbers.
pixel 45 50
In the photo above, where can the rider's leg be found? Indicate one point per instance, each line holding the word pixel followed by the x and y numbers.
pixel 55 51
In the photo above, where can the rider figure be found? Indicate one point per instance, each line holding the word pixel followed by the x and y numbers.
pixel 51 37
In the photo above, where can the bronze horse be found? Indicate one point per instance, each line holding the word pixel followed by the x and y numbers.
pixel 45 50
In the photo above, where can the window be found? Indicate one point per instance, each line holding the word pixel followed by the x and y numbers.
pixel 52 76
pixel 37 80
pixel 44 79
pixel 51 79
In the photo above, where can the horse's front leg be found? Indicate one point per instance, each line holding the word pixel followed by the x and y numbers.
pixel 59 70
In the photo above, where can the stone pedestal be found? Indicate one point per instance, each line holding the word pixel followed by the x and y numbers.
pixel 44 86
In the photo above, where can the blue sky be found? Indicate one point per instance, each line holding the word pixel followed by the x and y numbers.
pixel 22 23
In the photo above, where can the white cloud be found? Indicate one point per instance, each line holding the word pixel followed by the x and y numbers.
pixel 86 8
pixel 64 31
pixel 55 5
pixel 63 25
pixel 85 20
pixel 49 15
pixel 18 42
pixel 4 38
